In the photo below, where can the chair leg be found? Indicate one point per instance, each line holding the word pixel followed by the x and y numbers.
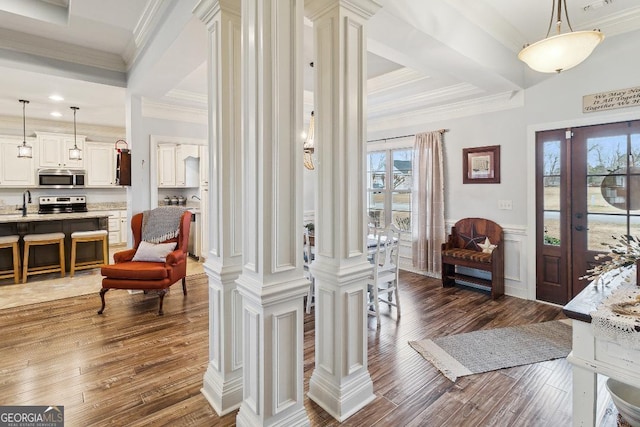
pixel 105 250
pixel 184 286
pixel 397 299
pixel 72 267
pixel 16 263
pixel 102 292
pixel 376 304
pixel 61 251
pixel 310 296
pixel 25 262
pixel 161 294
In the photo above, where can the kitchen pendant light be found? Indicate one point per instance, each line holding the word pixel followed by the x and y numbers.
pixel 562 51
pixel 75 153
pixel 24 150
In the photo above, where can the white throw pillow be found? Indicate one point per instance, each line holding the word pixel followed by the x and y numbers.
pixel 154 252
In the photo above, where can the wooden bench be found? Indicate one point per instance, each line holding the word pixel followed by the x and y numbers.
pixel 467 246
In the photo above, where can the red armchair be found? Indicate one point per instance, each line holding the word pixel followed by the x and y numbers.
pixel 146 276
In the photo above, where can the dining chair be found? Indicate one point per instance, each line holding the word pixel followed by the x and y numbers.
pixel 307 258
pixel 384 279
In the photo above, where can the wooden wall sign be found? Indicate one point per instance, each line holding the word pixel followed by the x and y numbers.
pixel 621 98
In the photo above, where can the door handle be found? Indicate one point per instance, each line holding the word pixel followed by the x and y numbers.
pixel 580 228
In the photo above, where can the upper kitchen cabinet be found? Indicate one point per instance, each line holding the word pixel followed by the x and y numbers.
pixel 54 150
pixel 100 160
pixel 14 171
pixel 178 165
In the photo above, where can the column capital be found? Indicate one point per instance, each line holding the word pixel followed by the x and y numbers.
pixel 314 9
pixel 206 10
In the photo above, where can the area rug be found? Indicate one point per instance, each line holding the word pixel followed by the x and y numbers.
pixel 488 350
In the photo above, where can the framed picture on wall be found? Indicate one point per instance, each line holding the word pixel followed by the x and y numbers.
pixel 481 165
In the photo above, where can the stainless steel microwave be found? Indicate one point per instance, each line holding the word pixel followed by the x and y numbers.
pixel 61 178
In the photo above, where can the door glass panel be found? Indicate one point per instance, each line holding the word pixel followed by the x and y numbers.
pixel 606 154
pixel 551 183
pixel 601 228
pixel 634 226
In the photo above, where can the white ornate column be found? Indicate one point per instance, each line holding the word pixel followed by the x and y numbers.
pixel 340 382
pixel 272 284
pixel 222 383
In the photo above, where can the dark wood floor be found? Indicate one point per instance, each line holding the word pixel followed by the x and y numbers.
pixel 131 367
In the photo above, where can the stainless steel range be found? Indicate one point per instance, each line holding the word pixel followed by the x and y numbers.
pixel 61 204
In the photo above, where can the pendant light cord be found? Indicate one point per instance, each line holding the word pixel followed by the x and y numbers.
pixel 24 123
pixel 75 143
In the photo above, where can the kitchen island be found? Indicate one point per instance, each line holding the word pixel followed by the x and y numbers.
pixel 65 223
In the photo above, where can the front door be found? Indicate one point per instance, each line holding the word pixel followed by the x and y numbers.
pixel 587 192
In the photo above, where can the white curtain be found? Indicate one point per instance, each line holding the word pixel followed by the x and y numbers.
pixel 427 202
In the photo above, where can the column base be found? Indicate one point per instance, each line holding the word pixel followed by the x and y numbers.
pixel 223 396
pixel 246 418
pixel 344 400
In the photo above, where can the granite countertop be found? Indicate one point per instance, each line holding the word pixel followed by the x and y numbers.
pixel 31 217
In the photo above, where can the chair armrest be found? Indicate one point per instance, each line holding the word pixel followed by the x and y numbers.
pixel 124 256
pixel 176 257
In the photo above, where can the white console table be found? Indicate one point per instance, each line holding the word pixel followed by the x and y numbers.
pixel 591 356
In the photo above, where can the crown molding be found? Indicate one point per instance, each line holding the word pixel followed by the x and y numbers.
pixel 12 125
pixel 185 95
pixel 394 79
pixel 158 110
pixel 47 48
pixel 149 20
pixel 617 23
pixel 498 102
pixel 421 99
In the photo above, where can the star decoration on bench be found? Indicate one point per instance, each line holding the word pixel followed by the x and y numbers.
pixel 487 247
pixel 473 240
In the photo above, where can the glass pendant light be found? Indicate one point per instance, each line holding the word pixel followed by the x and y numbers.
pixel 24 150
pixel 75 153
pixel 563 50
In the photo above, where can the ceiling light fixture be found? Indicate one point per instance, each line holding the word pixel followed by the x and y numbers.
pixel 75 153
pixel 24 150
pixel 562 51
pixel 308 145
pixel 56 114
pixel 55 97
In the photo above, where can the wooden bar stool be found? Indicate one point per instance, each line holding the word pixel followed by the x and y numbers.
pixel 11 242
pixel 88 236
pixel 38 240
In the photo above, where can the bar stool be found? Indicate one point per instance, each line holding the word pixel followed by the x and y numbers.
pixel 88 236
pixel 38 240
pixel 11 242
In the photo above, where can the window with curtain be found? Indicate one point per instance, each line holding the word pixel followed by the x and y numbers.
pixel 389 180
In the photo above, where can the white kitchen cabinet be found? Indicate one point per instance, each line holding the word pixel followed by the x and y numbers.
pixel 14 171
pixel 178 165
pixel 167 165
pixel 54 150
pixel 100 158
pixel 118 227
pixel 204 165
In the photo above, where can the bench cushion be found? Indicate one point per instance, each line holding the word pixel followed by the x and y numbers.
pixel 468 254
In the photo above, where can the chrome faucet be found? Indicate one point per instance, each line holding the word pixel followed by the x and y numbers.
pixel 24 202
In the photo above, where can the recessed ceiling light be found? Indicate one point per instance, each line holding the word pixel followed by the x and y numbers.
pixel 56 98
pixel 56 114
